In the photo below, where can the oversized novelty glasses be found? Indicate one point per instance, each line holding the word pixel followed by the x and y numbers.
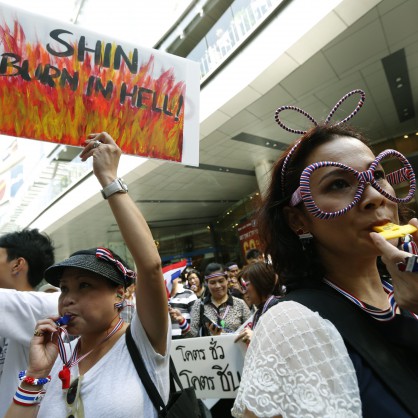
pixel 307 115
pixel 330 189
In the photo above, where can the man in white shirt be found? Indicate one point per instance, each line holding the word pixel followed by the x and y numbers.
pixel 24 256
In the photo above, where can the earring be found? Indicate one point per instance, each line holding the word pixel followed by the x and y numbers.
pixel 119 305
pixel 305 238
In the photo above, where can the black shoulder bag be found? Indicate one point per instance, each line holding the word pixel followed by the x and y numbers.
pixel 181 403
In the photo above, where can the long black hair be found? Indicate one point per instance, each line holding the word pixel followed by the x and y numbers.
pixel 296 267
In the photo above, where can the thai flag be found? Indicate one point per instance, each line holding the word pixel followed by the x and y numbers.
pixel 171 273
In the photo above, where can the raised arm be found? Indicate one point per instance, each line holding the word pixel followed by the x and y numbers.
pixel 151 297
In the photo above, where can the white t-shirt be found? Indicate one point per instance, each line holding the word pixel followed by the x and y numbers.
pixel 297 366
pixel 112 388
pixel 3 350
pixel 19 312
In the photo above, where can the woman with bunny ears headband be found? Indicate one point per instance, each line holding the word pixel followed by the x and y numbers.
pixel 338 344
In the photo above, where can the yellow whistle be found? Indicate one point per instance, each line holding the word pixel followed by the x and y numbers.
pixel 390 230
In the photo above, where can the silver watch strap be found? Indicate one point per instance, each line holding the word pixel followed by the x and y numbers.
pixel 117 186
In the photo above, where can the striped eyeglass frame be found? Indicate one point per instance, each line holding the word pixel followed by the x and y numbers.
pixel 406 173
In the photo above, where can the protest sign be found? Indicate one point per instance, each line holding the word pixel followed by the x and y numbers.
pixel 212 365
pixel 60 82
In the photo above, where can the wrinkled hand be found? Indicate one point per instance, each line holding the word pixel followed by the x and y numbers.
pixel 405 284
pixel 245 336
pixel 43 348
pixel 106 155
pixel 175 315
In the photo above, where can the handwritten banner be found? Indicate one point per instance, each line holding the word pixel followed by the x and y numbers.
pixel 59 82
pixel 212 365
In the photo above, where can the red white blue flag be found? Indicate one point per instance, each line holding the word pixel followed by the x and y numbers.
pixel 171 273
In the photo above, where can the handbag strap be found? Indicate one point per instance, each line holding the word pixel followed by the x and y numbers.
pixel 144 375
pixel 174 377
pixel 361 332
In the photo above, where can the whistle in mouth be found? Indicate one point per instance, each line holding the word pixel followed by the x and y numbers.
pixel 63 320
pixel 391 230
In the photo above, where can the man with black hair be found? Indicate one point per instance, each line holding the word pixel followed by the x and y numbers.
pixel 24 256
pixel 253 256
pixel 232 269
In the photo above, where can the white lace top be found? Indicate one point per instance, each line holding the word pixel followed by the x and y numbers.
pixel 297 366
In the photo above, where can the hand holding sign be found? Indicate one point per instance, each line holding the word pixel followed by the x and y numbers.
pixel 78 80
pixel 245 336
pixel 212 365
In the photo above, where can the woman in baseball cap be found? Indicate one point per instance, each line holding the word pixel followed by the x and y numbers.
pixel 93 375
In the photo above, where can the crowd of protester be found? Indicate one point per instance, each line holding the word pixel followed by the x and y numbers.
pixel 101 295
pixel 195 297
pixel 326 334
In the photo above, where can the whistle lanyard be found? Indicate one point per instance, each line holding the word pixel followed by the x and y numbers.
pixel 407 244
pixel 378 314
pixel 73 358
pixel 222 318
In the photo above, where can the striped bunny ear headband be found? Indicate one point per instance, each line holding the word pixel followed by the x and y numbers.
pixel 308 116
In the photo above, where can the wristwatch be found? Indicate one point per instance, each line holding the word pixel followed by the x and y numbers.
pixel 117 186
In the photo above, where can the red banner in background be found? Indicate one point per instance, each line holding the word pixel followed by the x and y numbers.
pixel 248 236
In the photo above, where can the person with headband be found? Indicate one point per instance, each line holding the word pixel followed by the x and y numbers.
pixel 232 269
pixel 338 344
pixel 93 375
pixel 218 312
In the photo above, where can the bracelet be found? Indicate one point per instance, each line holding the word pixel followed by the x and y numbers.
pixel 33 381
pixel 27 397
pixel 410 265
pixel 184 326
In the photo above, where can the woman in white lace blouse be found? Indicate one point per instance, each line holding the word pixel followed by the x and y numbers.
pixel 338 345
